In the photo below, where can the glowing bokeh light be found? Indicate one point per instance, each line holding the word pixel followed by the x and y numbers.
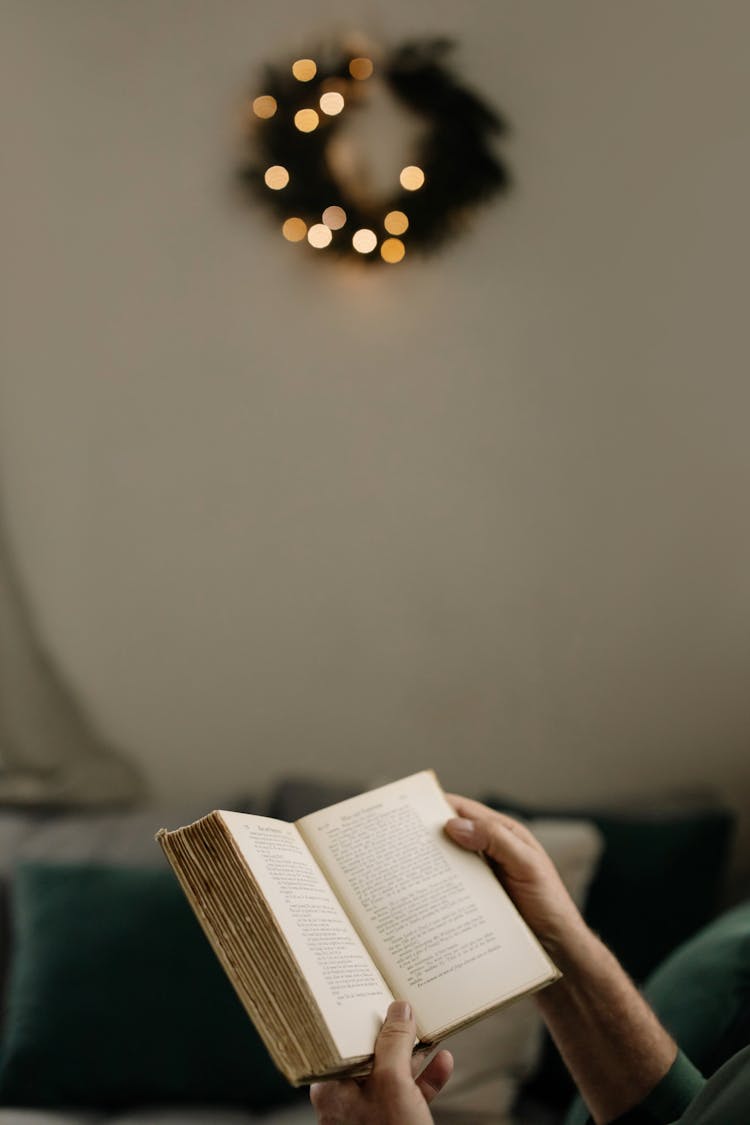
pixel 319 236
pixel 304 70
pixel 411 178
pixel 276 177
pixel 265 106
pixel 332 103
pixel 392 250
pixel 361 68
pixel 334 217
pixel 364 241
pixel 396 222
pixel 306 120
pixel 294 230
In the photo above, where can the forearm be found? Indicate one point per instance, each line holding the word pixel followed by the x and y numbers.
pixel 612 1043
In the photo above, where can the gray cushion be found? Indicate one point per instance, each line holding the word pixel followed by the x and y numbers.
pixel 42 1117
pixel 189 1115
pixel 115 837
pixel 111 838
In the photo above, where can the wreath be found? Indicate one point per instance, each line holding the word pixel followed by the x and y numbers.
pixel 298 115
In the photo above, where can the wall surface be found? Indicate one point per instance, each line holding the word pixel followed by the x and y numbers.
pixel 487 512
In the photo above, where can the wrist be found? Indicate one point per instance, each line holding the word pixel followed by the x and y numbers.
pixel 584 962
pixel 595 1002
pixel 573 947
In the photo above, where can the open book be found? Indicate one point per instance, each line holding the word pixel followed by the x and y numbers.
pixel 321 923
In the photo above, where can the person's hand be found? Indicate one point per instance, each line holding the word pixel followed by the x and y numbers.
pixel 594 1001
pixel 524 868
pixel 389 1095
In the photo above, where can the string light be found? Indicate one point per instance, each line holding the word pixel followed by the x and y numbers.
pixel 334 217
pixel 396 222
pixel 276 177
pixel 306 120
pixel 411 178
pixel 304 70
pixel 332 103
pixel 294 230
pixel 392 250
pixel 364 241
pixel 458 169
pixel 319 236
pixel 265 106
pixel 361 68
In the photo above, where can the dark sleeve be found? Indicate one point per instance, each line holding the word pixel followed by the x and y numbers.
pixel 725 1098
pixel 669 1098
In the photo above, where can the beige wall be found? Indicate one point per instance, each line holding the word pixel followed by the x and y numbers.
pixel 488 512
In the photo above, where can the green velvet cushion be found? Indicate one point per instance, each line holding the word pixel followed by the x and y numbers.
pixel 702 995
pixel 116 998
pixel 702 992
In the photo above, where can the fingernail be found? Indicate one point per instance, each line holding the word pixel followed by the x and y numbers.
pixel 399 1010
pixel 462 827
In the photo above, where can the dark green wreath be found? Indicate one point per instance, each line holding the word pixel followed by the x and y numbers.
pixel 460 168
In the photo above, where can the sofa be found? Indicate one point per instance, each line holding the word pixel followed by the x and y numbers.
pixel 115 1010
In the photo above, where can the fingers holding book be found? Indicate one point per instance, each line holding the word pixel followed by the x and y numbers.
pixel 523 867
pixel 435 1075
pixel 390 1095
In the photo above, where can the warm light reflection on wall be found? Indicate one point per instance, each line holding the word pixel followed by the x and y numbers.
pixel 396 222
pixel 392 250
pixel 306 120
pixel 334 217
pixel 276 177
pixel 319 236
pixel 304 70
pixel 294 230
pixel 411 178
pixel 361 68
pixel 364 241
pixel 332 103
pixel 265 106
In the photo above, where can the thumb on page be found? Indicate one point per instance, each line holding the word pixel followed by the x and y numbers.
pixel 394 1044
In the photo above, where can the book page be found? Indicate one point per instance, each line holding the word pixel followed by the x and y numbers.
pixel 443 931
pixel 351 993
